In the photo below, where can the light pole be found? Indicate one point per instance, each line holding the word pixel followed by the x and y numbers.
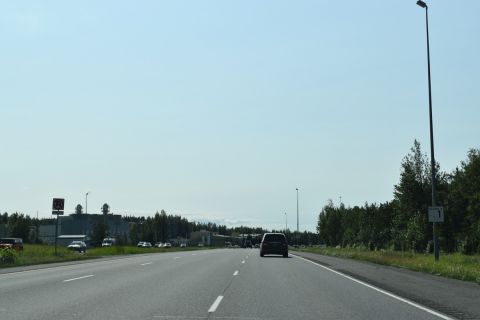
pixel 432 152
pixel 286 223
pixel 86 202
pixel 297 217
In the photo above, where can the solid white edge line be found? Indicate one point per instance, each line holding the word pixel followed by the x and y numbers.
pixel 414 304
pixel 73 279
pixel 215 304
pixel 235 273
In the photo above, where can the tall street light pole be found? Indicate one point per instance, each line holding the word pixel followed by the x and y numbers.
pixel 86 202
pixel 286 223
pixel 297 217
pixel 432 152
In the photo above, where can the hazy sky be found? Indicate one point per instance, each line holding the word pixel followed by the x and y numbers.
pixel 218 110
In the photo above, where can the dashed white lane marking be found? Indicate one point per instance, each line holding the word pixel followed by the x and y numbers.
pixel 215 304
pixel 394 296
pixel 146 263
pixel 243 261
pixel 73 279
pixel 235 273
pixel 194 254
pixel 176 258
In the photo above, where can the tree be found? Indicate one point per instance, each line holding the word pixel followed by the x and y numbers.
pixel 99 232
pixel 105 208
pixel 19 226
pixel 411 196
pixel 462 215
pixel 79 209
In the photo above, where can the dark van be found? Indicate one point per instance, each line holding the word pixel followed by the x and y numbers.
pixel 274 243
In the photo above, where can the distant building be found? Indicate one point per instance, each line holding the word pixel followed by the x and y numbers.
pixel 83 224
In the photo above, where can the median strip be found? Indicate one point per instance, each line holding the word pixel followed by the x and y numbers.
pixel 73 279
pixel 215 304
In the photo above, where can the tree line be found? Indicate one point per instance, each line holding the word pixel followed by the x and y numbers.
pixel 157 228
pixel 402 223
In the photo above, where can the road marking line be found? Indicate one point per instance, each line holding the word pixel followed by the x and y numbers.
pixel 235 273
pixel 194 254
pixel 146 263
pixel 176 258
pixel 73 279
pixel 394 296
pixel 215 304
pixel 243 261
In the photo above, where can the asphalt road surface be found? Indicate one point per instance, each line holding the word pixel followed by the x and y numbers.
pixel 225 284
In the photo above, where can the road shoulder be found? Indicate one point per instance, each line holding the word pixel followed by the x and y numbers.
pixel 459 299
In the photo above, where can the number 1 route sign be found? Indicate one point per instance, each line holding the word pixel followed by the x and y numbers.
pixel 435 214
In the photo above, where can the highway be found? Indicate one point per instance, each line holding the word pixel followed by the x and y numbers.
pixel 225 284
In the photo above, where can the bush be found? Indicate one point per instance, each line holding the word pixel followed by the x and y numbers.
pixel 8 256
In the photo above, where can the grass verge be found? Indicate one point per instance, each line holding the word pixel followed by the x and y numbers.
pixel 41 254
pixel 455 265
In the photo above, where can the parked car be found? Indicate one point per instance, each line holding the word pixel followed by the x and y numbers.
pixel 158 244
pixel 167 245
pixel 274 243
pixel 146 245
pixel 78 246
pixel 183 245
pixel 12 243
pixel 108 242
pixel 140 244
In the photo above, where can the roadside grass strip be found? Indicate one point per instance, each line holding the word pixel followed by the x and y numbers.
pixel 453 265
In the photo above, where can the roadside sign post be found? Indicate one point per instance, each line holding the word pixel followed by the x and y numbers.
pixel 58 206
pixel 435 215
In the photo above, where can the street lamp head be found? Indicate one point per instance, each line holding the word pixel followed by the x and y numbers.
pixel 422 4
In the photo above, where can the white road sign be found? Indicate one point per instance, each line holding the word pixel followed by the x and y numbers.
pixel 435 214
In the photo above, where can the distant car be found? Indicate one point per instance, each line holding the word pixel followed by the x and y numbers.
pixel 78 246
pixel 183 245
pixel 11 243
pixel 108 242
pixel 143 244
pixel 228 244
pixel 146 245
pixel 247 244
pixel 167 245
pixel 256 245
pixel 274 243
pixel 200 244
pixel 158 244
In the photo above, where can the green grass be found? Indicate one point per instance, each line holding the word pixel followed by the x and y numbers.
pixel 456 265
pixel 39 254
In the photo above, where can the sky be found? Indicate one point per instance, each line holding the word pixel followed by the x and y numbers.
pixel 218 110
